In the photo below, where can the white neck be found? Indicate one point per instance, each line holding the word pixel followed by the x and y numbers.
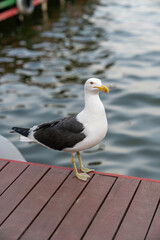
pixel 93 103
pixel 93 107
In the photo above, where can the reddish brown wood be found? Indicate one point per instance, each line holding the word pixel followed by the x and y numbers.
pixel 2 164
pixel 112 211
pixel 9 174
pixel 154 231
pixel 81 214
pixel 33 203
pixel 140 213
pixel 17 191
pixel 100 173
pixel 55 210
pixel 41 202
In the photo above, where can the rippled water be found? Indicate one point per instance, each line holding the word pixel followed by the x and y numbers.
pixel 45 62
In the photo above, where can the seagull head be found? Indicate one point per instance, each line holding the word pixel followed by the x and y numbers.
pixel 94 85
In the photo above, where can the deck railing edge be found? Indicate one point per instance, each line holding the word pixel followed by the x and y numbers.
pixel 96 172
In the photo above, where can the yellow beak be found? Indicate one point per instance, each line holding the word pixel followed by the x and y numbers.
pixel 103 88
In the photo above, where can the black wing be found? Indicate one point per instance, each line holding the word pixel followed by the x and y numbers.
pixel 60 134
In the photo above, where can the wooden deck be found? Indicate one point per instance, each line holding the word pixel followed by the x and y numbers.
pixel 39 202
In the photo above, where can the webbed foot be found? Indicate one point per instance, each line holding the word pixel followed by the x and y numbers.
pixel 86 170
pixel 82 176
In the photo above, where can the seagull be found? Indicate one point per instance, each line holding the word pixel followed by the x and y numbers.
pixel 75 133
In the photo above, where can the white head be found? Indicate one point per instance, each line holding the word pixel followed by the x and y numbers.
pixel 94 85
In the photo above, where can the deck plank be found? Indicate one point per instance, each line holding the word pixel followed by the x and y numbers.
pixel 47 203
pixel 2 164
pixel 140 213
pixel 9 174
pixel 33 203
pixel 154 231
pixel 16 192
pixel 81 214
pixel 112 211
pixel 55 210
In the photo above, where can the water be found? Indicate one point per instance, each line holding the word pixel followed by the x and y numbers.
pixel 45 62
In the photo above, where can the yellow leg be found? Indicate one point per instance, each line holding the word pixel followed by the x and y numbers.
pixel 81 176
pixel 83 169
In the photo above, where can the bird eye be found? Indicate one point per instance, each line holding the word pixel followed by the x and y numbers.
pixel 91 82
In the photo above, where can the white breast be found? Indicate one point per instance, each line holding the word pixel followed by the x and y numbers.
pixel 96 126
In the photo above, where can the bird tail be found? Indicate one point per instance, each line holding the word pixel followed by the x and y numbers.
pixel 23 131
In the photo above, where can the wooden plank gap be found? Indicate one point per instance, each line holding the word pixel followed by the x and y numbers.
pixel 74 224
pixel 140 213
pixel 154 231
pixel 152 219
pixel 87 227
pixel 25 195
pixel 110 214
pixel 3 164
pixel 49 218
pixel 123 217
pixel 70 207
pixel 45 205
pixel 14 180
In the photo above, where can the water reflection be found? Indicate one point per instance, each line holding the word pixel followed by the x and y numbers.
pixel 45 62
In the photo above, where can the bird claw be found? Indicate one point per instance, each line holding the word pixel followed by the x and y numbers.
pixel 82 176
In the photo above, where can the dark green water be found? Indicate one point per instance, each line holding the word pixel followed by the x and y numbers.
pixel 45 61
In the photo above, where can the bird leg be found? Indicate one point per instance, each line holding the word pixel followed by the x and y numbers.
pixel 81 176
pixel 83 169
